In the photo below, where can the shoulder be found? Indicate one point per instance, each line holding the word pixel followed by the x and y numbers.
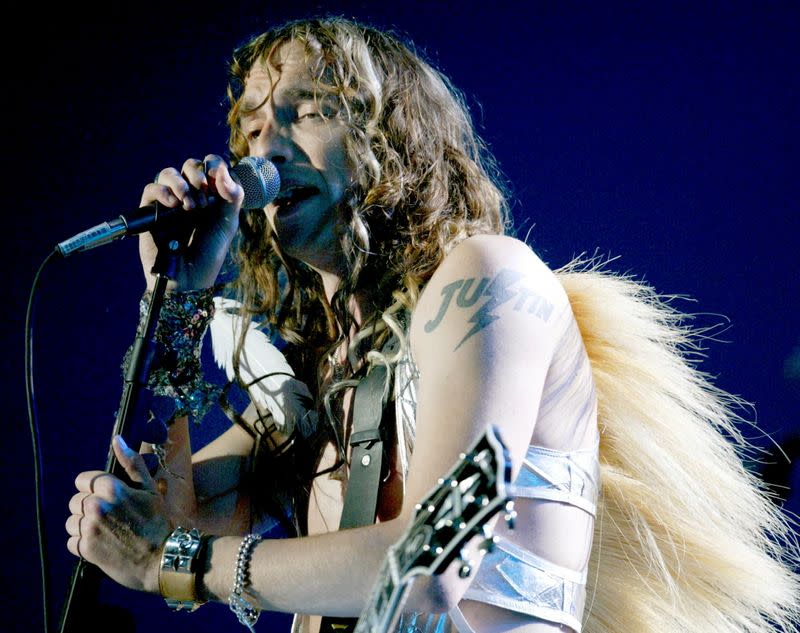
pixel 487 254
pixel 489 286
pixel 483 337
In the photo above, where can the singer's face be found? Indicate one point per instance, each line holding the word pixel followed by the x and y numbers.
pixel 285 123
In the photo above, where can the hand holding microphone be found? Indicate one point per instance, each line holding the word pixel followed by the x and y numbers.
pixel 181 198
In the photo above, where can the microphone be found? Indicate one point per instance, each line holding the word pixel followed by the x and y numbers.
pixel 257 176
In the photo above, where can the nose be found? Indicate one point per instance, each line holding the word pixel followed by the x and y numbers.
pixel 274 143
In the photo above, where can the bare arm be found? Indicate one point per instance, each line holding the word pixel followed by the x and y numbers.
pixel 473 371
pixel 482 356
pixel 203 489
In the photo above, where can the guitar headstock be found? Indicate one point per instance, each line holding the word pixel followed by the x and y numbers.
pixel 457 510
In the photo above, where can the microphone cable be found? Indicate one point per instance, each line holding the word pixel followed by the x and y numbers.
pixel 33 424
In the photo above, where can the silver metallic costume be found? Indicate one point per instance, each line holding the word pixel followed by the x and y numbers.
pixel 512 577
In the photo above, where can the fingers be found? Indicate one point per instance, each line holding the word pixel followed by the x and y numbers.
pixel 116 527
pixel 76 503
pixel 98 482
pixel 174 188
pixel 170 189
pixel 194 187
pixel 107 487
pixel 220 178
pixel 133 463
pixel 86 510
pixel 73 524
pixel 74 546
pixel 194 172
pixel 191 186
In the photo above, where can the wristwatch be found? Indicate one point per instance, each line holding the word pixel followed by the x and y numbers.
pixel 180 562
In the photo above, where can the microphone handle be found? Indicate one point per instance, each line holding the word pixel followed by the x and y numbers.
pixel 138 221
pixel 93 237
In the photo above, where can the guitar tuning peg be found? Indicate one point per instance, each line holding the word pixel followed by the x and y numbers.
pixel 489 541
pixel 465 565
pixel 511 515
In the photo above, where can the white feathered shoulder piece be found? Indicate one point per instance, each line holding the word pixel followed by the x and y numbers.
pixel 263 369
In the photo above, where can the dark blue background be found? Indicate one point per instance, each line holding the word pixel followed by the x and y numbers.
pixel 666 135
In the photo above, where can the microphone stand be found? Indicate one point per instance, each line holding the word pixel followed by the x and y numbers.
pixel 81 607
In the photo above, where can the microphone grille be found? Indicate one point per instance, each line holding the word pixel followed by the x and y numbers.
pixel 259 179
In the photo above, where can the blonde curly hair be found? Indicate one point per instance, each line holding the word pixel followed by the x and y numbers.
pixel 686 538
pixel 423 180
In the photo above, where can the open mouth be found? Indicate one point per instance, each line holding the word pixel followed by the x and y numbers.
pixel 294 195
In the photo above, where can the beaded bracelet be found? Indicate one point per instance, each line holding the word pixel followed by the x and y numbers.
pixel 176 371
pixel 244 610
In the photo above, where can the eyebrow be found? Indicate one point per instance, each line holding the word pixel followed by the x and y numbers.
pixel 293 94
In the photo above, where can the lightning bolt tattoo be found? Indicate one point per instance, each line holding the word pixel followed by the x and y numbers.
pixel 499 292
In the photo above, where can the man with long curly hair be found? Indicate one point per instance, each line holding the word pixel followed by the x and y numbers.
pixel 387 247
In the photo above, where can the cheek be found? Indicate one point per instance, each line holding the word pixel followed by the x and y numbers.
pixel 337 164
pixel 338 183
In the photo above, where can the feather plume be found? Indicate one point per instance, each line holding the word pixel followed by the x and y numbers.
pixel 263 369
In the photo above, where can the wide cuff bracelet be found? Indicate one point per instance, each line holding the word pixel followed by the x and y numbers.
pixel 178 571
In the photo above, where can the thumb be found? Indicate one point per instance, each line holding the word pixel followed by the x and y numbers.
pixel 134 464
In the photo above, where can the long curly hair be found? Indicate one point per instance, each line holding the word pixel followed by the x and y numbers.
pixel 686 538
pixel 423 179
pixel 423 182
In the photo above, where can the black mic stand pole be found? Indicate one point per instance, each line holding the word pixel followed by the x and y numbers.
pixel 80 613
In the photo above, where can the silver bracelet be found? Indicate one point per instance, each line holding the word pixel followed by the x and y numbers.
pixel 245 611
pixel 180 564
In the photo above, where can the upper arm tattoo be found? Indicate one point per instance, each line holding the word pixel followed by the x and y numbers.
pixel 498 291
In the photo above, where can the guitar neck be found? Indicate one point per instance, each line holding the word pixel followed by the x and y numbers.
pixel 386 599
pixel 449 517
